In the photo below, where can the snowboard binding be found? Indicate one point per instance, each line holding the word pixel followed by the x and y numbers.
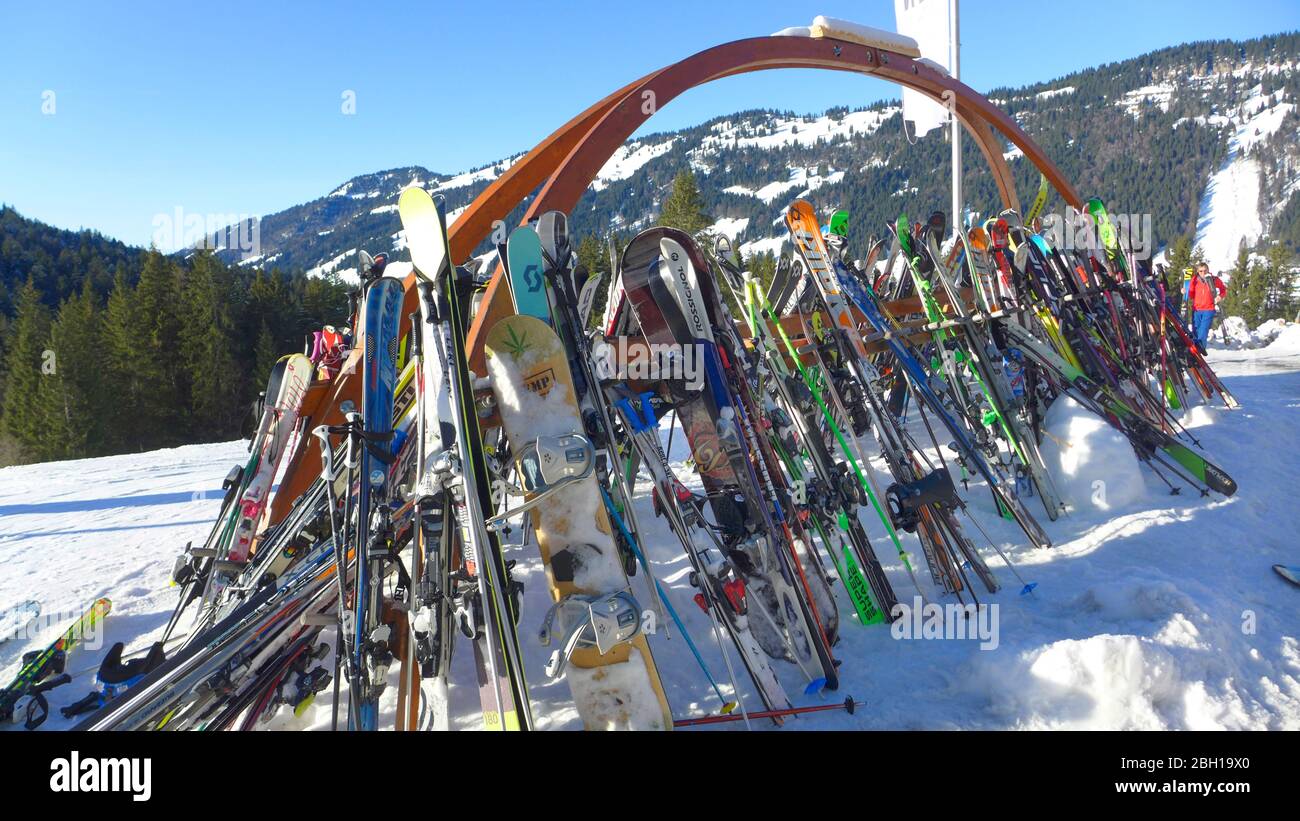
pixel 602 622
pixel 547 464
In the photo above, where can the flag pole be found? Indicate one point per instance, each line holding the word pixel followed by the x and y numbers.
pixel 958 215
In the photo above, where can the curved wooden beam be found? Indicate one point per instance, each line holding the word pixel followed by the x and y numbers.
pixel 626 110
pixel 521 179
pixel 569 159
pixel 518 181
pixel 971 105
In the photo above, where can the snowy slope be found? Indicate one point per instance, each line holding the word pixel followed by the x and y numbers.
pixel 1230 207
pixel 1157 611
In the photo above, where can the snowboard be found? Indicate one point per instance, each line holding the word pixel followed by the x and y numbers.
pixel 15 620
pixel 1289 572
pixel 526 264
pixel 611 672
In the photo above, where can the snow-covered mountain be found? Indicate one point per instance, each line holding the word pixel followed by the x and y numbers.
pixel 1235 208
pixel 1205 137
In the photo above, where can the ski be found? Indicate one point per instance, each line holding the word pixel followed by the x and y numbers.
pixel 456 471
pixel 803 228
pixel 371 636
pixel 44 669
pixel 1289 572
pixel 527 287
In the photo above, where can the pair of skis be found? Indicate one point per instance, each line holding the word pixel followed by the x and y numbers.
pixel 762 572
pixel 470 586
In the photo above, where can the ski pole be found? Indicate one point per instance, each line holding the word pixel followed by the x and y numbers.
pixel 848 706
pixel 727 706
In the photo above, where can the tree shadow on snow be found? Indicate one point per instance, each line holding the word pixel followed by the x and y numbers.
pixel 84 505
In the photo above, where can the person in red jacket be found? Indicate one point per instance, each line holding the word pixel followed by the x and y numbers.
pixel 1203 292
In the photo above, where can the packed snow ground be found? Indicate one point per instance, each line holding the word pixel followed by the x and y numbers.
pixel 1151 612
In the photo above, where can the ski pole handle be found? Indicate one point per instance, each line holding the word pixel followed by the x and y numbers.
pixel 327 472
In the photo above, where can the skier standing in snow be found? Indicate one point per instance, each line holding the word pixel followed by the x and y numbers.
pixel 1203 292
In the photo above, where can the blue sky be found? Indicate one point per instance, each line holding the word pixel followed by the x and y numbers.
pixel 236 108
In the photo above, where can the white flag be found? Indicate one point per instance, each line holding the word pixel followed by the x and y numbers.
pixel 927 22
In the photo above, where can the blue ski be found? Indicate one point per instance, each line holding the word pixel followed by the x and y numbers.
pixel 379 368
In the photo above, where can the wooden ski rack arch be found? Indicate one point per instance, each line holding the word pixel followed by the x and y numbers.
pixel 566 162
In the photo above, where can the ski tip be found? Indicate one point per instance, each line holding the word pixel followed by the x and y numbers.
pixel 728 708
pixel 1028 588
pixel 815 686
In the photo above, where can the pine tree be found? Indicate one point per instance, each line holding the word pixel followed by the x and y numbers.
pixel 265 355
pixel 1279 290
pixel 123 352
pixel 4 340
pixel 270 305
pixel 1234 302
pixel 1180 254
pixel 1255 298
pixel 76 397
pixel 594 256
pixel 163 383
pixel 324 302
pixel 684 208
pixel 763 267
pixel 29 365
pixel 207 346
